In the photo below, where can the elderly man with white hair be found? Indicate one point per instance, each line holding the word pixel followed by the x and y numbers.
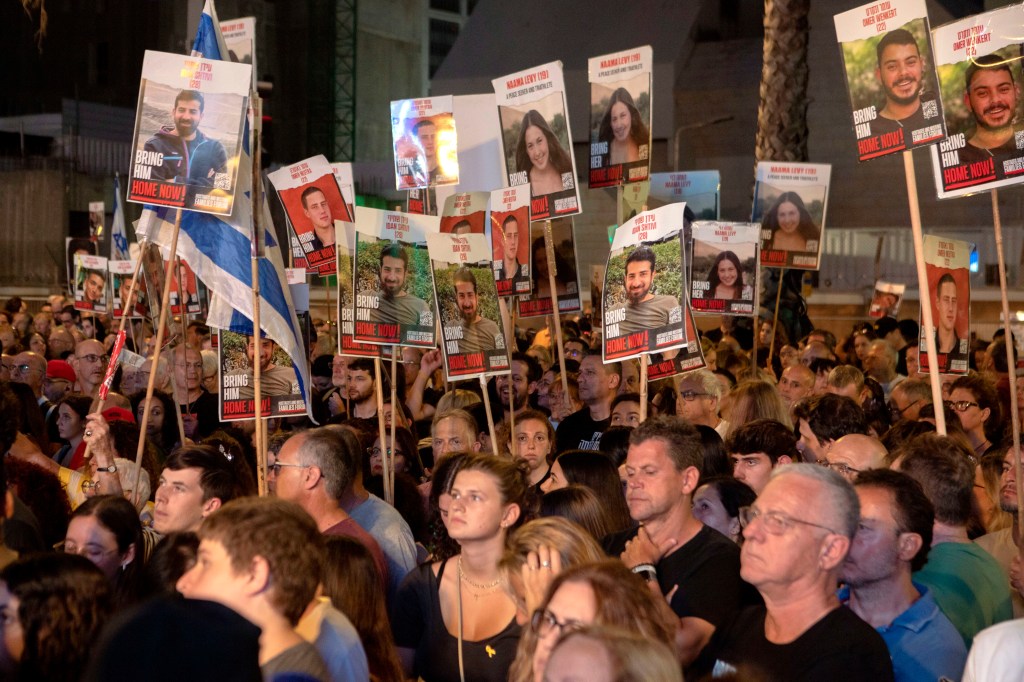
pixel 880 365
pixel 698 398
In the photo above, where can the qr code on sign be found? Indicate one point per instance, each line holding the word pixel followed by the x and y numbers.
pixel 222 181
pixel 567 181
pixel 1018 138
pixel 675 315
pixel 930 108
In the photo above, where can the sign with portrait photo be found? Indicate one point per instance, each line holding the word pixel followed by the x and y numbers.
pixel 465 213
pixel 91 283
pixel 240 39
pixel 510 225
pixel 313 202
pixel 345 248
pixel 425 143
pixel 979 65
pixel 279 385
pixel 620 117
pixel 394 291
pixel 562 258
pixel 77 246
pixel 537 140
pixel 885 302
pixel 188 132
pixel 182 278
pixel 121 272
pixel 790 200
pixel 644 286
pixel 947 264
pixel 97 216
pixel 886 48
pixel 473 343
pixel 723 268
pixel 343 174
pixel 421 201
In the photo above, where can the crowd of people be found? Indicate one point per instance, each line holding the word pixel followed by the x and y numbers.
pixel 788 512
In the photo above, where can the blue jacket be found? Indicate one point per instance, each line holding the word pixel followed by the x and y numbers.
pixel 196 163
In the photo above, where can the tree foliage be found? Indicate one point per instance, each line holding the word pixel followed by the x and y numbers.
pixel 668 275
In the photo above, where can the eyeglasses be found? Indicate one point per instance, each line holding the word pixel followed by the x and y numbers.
pixel 839 467
pixel 896 411
pixel 960 405
pixel 543 622
pixel 90 552
pixel 276 467
pixel 690 396
pixel 775 523
pixel 92 357
pixel 22 369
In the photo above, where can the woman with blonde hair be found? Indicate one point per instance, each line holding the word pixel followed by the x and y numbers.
pixel 553 544
pixel 752 400
pixel 598 593
pixel 612 655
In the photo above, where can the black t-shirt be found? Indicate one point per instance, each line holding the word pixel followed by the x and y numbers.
pixel 417 623
pixel 840 646
pixel 707 571
pixel 207 412
pixel 579 431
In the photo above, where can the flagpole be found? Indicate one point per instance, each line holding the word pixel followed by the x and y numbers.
pixel 381 433
pixel 156 355
pixel 257 249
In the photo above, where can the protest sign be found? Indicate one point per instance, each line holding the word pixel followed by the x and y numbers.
pixel 620 117
pixel 425 142
pixel 279 386
pixel 723 271
pixel 885 302
pixel 790 200
pixel 644 286
pixel 567 286
pixel 537 140
pixel 947 263
pixel 510 225
pixel 394 295
pixel 188 132
pixel 90 283
pixel 890 76
pixel 467 302
pixel 121 272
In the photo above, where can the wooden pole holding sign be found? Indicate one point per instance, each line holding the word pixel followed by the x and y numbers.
pixel 490 419
pixel 1014 418
pixel 389 460
pixel 775 322
pixel 644 362
pixel 549 248
pixel 922 284
pixel 151 384
pixel 508 318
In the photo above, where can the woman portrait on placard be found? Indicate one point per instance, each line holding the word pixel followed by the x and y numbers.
pixel 725 279
pixel 791 224
pixel 539 153
pixel 623 128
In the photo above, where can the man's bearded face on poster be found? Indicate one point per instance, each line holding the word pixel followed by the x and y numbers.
pixel 992 98
pixel 392 276
pixel 900 71
pixel 188 114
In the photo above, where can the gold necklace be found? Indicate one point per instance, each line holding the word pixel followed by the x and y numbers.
pixel 486 588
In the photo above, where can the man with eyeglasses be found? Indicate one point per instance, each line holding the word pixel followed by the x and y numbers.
pixel 314 469
pixel 796 537
pixel 671 546
pixel 697 400
pixel 968 584
pixel 907 399
pixel 757 448
pixel 853 454
pixel 89 362
pixel 30 369
pixel 893 539
pixel 195 482
pixel 198 407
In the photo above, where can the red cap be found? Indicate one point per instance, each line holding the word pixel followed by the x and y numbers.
pixel 115 414
pixel 60 369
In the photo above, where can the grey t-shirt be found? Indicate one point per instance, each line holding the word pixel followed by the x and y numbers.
pixel 407 310
pixel 479 336
pixel 650 314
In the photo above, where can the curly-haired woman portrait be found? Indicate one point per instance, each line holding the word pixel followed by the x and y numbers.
pixel 623 129
pixel 541 156
pixel 791 224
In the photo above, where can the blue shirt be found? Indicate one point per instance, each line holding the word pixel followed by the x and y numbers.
pixel 922 642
